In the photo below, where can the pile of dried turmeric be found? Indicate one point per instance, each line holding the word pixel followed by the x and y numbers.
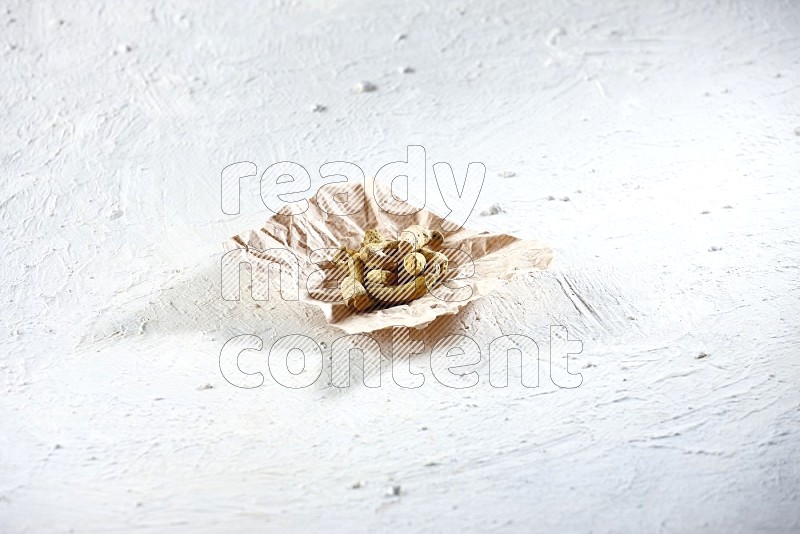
pixel 388 272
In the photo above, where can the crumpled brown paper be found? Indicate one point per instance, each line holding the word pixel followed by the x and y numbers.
pixel 495 257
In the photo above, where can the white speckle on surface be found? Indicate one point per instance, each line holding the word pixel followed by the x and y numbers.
pixel 554 35
pixel 506 174
pixel 365 87
pixel 494 209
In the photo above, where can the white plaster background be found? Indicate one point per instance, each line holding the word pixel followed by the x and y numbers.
pixel 116 120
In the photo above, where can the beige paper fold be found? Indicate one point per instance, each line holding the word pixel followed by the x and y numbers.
pixel 495 257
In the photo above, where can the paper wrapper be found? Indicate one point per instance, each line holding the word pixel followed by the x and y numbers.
pixel 315 234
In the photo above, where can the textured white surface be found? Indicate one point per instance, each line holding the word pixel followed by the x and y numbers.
pixel 116 120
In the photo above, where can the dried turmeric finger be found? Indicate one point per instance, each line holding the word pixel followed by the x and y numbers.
pixel 401 294
pixel 414 263
pixel 380 277
pixel 437 262
pixel 379 256
pixel 372 236
pixel 413 238
pixel 355 294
